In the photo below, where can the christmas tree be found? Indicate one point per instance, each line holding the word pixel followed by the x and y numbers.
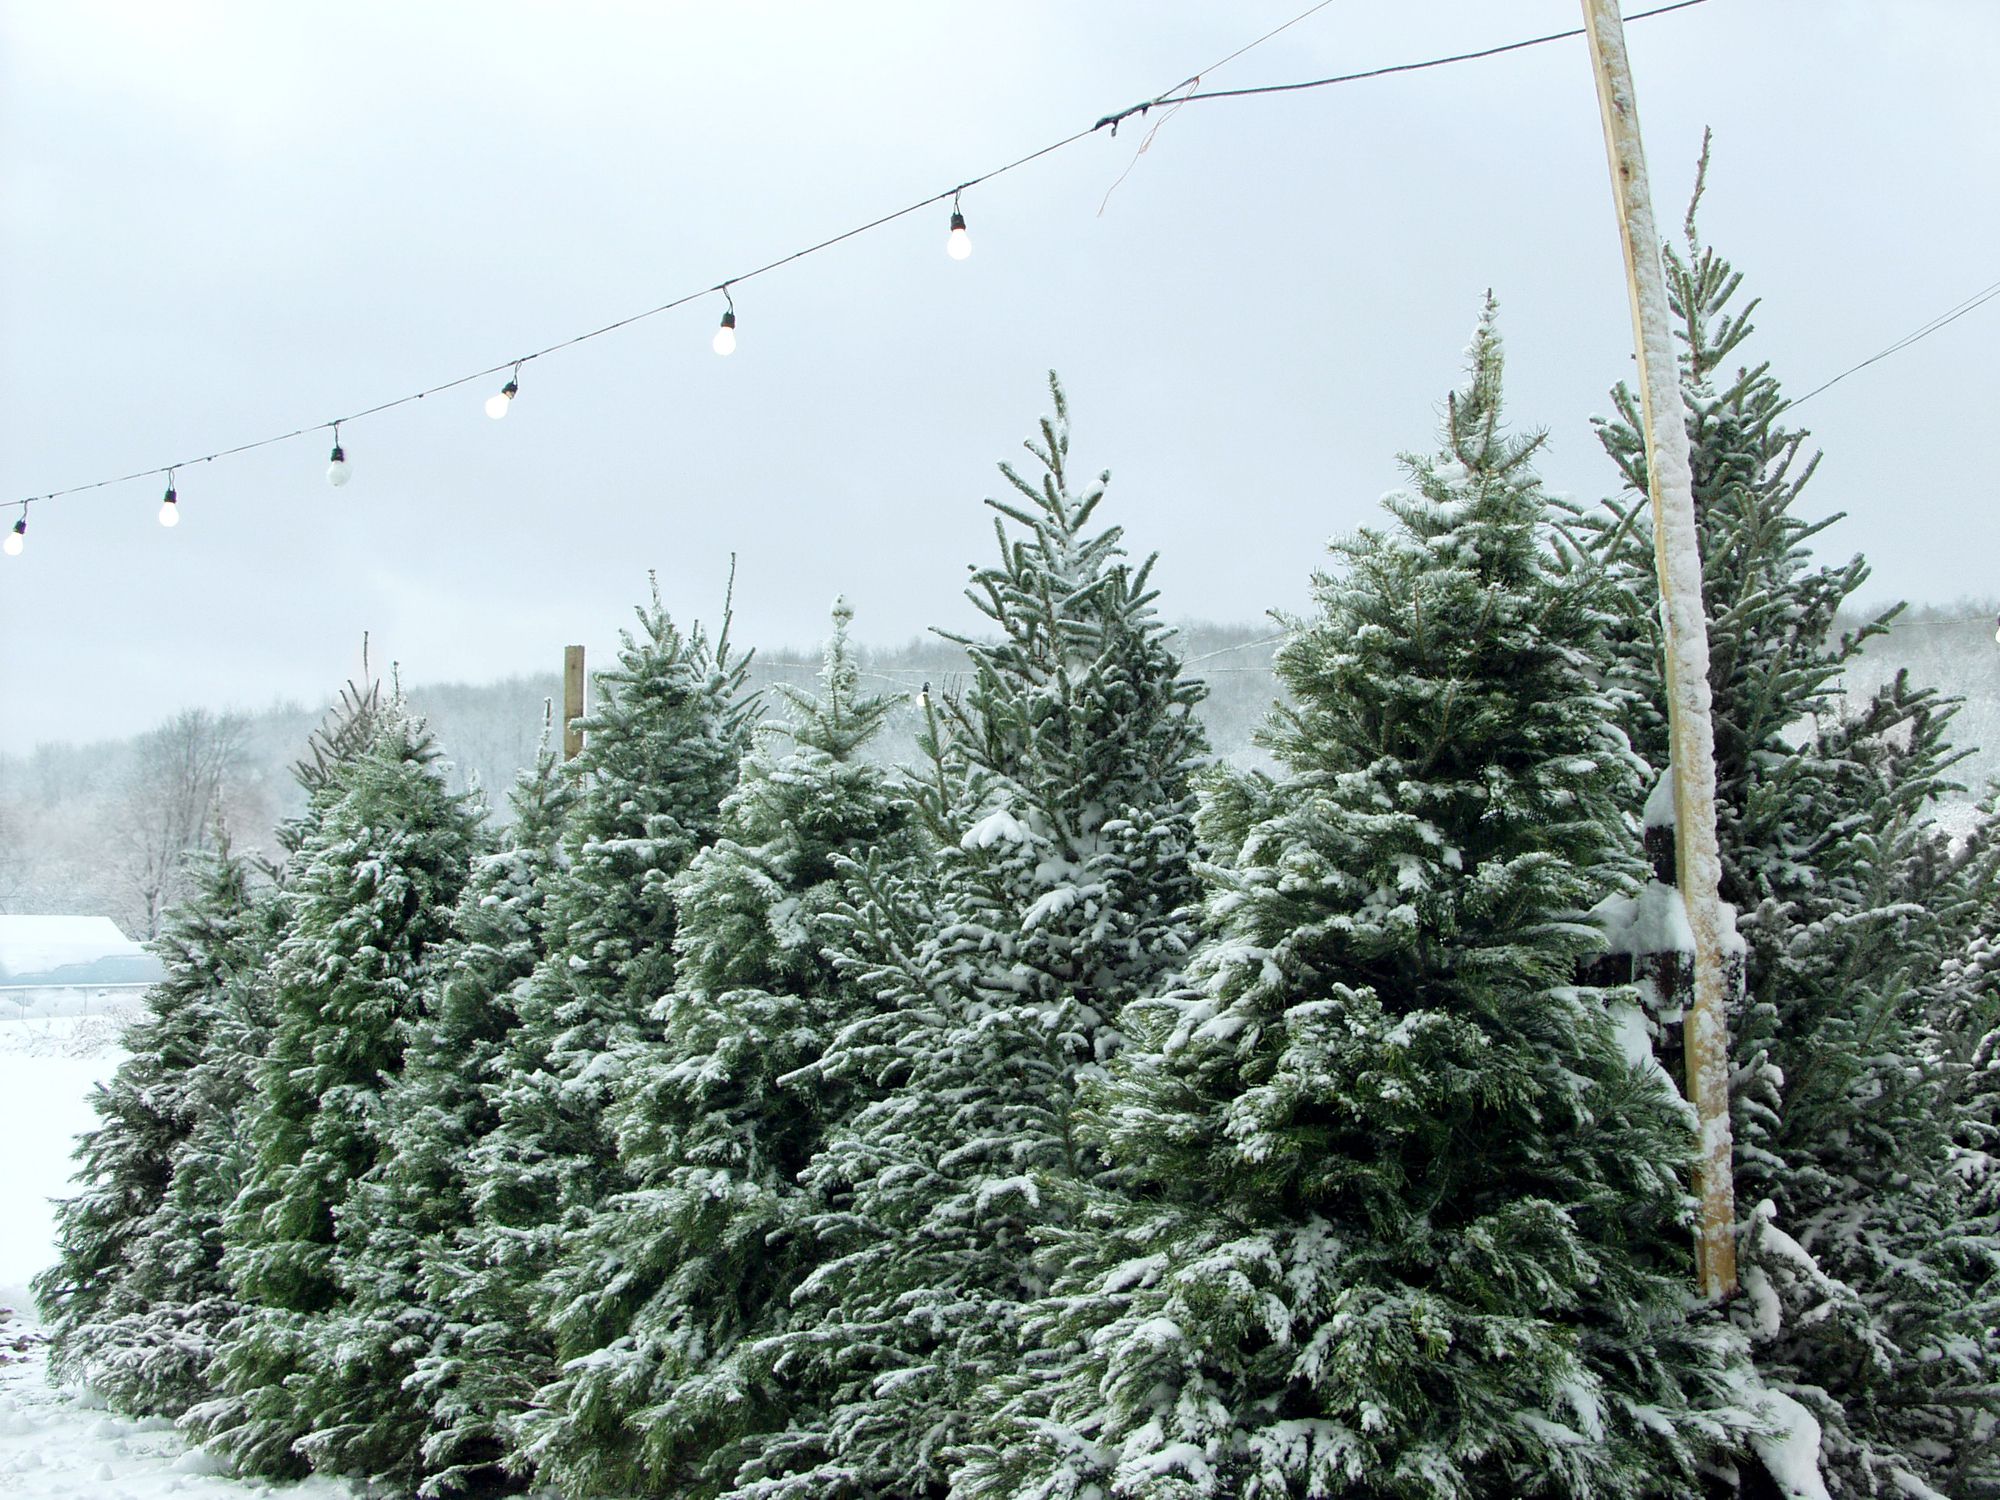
pixel 1059 795
pixel 376 875
pixel 138 1297
pixel 131 1298
pixel 1403 1208
pixel 1857 1292
pixel 660 753
pixel 659 1302
pixel 419 1362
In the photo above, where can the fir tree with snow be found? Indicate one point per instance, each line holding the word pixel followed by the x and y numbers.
pixel 659 1302
pixel 132 1298
pixel 374 879
pixel 1404 1210
pixel 1059 794
pixel 1965 1050
pixel 661 751
pixel 138 1296
pixel 424 1360
pixel 1832 862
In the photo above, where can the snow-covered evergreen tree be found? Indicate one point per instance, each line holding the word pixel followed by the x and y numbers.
pixel 658 1301
pixel 138 1296
pixel 1965 1050
pixel 131 1298
pixel 1842 1122
pixel 1059 795
pixel 1403 1209
pixel 661 751
pixel 417 1360
pixel 373 882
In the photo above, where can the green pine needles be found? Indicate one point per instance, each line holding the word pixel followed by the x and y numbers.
pixel 1399 1216
pixel 376 876
pixel 661 1299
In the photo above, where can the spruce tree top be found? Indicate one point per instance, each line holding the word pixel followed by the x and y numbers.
pixel 660 752
pixel 1080 696
pixel 840 719
pixel 1448 676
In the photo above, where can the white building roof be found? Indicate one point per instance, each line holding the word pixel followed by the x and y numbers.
pixel 41 945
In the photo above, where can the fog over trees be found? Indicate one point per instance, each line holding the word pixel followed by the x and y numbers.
pixel 102 828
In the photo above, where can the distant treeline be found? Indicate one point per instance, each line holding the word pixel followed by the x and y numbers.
pixel 81 826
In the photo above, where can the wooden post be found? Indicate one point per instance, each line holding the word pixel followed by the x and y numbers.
pixel 572 701
pixel 1698 860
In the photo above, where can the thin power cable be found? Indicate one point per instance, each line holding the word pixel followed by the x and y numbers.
pixel 1194 81
pixel 1269 640
pixel 1415 67
pixel 1110 121
pixel 1977 299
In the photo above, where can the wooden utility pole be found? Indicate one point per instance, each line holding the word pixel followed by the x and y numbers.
pixel 1698 860
pixel 572 701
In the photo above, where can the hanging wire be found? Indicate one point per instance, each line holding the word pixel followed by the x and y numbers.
pixel 1108 122
pixel 1952 315
pixel 1384 72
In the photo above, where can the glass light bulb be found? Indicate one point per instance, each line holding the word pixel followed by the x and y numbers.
pixel 958 244
pixel 338 472
pixel 724 341
pixel 16 540
pixel 170 514
pixel 497 404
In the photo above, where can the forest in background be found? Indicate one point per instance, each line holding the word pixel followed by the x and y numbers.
pixel 99 829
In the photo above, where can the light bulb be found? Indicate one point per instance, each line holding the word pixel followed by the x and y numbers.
pixel 498 403
pixel 337 470
pixel 17 538
pixel 958 244
pixel 724 341
pixel 170 510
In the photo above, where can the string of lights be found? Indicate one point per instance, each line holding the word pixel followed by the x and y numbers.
pixel 958 245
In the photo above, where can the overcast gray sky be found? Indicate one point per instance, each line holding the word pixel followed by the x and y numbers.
pixel 226 220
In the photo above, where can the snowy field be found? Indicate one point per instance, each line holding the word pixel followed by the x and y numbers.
pixel 54 1444
pixel 81 1002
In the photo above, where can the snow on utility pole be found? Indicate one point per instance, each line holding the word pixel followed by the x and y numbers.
pixel 1698 861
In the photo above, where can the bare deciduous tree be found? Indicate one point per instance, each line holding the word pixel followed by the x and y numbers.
pixel 175 796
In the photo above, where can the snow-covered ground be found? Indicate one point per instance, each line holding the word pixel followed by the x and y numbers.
pixel 63 1444
pixel 53 1445
pixel 47 1067
pixel 42 1002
